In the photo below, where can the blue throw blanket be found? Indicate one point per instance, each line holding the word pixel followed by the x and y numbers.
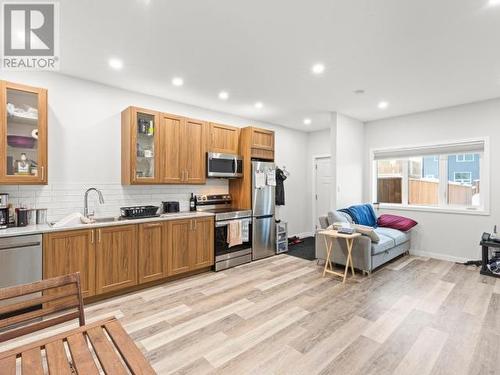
pixel 362 214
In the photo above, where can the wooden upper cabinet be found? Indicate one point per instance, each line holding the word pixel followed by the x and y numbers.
pixel 140 146
pixel 223 139
pixel 23 133
pixel 262 143
pixel 254 143
pixel 179 232
pixel 202 243
pixel 71 251
pixel 116 258
pixel 194 151
pixel 152 252
pixel 159 148
pixel 262 138
pixel 172 167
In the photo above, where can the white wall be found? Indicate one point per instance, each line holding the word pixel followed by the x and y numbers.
pixel 84 150
pixel 448 236
pixel 350 151
pixel 343 141
pixel 318 144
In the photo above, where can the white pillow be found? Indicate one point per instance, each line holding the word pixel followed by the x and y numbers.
pixel 367 231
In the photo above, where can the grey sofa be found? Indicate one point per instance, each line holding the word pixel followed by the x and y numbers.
pixel 366 255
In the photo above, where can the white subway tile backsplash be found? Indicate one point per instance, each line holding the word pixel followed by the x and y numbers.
pixel 62 199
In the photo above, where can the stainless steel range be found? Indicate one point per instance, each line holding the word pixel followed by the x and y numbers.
pixel 228 256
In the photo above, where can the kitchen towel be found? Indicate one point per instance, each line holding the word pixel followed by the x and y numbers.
pixel 234 233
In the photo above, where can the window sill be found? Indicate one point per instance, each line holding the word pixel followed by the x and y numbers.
pixel 460 211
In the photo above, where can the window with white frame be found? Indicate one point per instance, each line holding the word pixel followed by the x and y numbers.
pixel 464 158
pixel 463 177
pixel 446 176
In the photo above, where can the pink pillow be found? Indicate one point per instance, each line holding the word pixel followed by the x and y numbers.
pixel 396 222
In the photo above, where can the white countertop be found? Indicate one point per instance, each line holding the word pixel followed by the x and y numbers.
pixel 45 228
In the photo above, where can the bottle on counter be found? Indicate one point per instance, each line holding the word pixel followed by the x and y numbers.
pixel 192 203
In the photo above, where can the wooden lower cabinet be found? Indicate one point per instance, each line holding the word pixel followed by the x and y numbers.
pixel 179 232
pixel 116 258
pixel 202 243
pixel 152 246
pixel 68 252
pixel 190 244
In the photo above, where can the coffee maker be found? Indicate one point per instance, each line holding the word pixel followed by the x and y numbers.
pixel 4 210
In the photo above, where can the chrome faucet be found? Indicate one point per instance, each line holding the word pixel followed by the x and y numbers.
pixel 86 201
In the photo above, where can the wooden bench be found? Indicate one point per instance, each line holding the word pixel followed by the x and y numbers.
pixel 100 346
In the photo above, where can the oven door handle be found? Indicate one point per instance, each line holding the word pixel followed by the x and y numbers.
pixel 219 224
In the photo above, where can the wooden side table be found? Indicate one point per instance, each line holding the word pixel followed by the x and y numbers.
pixel 329 236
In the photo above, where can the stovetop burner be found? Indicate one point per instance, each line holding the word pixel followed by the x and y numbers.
pixel 220 205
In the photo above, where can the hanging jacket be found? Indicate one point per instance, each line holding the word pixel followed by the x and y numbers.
pixel 280 188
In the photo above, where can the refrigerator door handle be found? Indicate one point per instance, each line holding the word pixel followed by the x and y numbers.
pixel 263 216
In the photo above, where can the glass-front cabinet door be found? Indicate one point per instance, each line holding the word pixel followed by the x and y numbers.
pixel 23 133
pixel 146 141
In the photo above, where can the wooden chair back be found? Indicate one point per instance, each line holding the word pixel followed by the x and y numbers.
pixel 31 307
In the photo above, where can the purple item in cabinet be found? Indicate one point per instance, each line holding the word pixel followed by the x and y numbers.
pixel 20 141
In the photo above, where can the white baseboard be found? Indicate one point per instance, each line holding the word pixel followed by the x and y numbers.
pixel 439 256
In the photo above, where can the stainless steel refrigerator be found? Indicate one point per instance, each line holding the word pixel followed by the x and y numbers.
pixel 263 225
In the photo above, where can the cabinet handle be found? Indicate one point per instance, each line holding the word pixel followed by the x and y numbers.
pixel 92 236
pixel 152 225
pixel 190 224
pixel 99 235
pixel 43 172
pixel 187 175
pixel 195 224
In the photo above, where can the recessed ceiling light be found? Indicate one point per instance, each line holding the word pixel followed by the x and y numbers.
pixel 116 64
pixel 318 68
pixel 493 3
pixel 177 81
pixel 223 95
pixel 307 121
pixel 383 105
pixel 258 105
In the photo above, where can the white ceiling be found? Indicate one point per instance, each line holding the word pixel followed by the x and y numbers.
pixel 415 54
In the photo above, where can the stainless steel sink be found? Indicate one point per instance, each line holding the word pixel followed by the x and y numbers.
pixel 105 219
pixel 97 220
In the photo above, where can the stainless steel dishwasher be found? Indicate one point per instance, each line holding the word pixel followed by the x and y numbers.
pixel 20 260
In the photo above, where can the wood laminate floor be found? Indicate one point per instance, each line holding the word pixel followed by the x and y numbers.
pixel 279 316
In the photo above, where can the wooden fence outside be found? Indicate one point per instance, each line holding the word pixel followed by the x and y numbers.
pixel 422 192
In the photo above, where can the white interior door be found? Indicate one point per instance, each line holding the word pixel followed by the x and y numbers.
pixel 323 187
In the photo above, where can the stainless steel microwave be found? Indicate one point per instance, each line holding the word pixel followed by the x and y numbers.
pixel 224 165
